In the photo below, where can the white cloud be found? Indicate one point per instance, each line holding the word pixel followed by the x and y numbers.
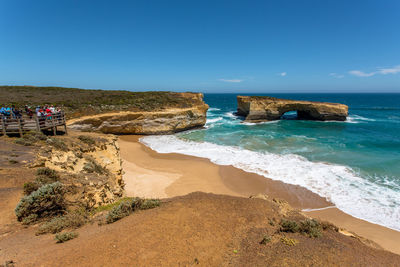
pixel 361 73
pixel 394 70
pixel 339 76
pixel 283 74
pixel 383 71
pixel 231 80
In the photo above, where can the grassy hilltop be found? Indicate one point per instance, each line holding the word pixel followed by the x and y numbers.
pixel 79 102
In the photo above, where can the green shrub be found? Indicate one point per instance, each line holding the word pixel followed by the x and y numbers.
pixel 87 139
pixel 91 166
pixel 129 205
pixel 30 138
pixel 57 224
pixel 57 143
pixel 30 219
pixel 118 212
pixel 149 204
pixel 329 226
pixel 289 226
pixel 309 227
pixel 48 200
pixel 64 237
pixel 47 172
pixel 44 176
pixel 312 228
pixel 29 187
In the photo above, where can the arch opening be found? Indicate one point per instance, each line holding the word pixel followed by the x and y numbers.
pixel 290 115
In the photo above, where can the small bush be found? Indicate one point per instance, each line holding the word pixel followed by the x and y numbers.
pixel 265 240
pixel 47 172
pixel 309 227
pixel 30 219
pixel 87 139
pixel 119 212
pixel 64 237
pixel 57 224
pixel 13 161
pixel 329 226
pixel 312 228
pixel 127 206
pixel 44 176
pixel 29 187
pixel 48 200
pixel 30 138
pixel 91 166
pixel 289 226
pixel 149 204
pixel 57 144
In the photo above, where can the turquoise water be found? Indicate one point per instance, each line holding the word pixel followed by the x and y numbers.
pixel 355 164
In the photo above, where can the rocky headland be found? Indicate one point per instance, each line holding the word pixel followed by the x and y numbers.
pixel 166 121
pixel 264 108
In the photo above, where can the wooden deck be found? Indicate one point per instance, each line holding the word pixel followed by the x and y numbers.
pixel 25 124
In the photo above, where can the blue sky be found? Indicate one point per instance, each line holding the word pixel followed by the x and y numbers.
pixel 208 46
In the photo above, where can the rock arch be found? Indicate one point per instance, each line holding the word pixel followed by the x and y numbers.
pixel 263 108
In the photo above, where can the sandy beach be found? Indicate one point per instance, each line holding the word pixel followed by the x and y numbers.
pixel 151 174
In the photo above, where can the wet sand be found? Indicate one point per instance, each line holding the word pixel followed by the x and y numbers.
pixel 151 174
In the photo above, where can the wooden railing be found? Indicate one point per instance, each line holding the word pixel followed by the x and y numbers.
pixel 23 124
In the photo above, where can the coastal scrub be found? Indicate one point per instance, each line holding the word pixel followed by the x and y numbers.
pixel 64 237
pixel 48 200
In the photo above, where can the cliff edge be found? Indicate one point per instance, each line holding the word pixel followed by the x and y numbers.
pixel 264 108
pixel 164 121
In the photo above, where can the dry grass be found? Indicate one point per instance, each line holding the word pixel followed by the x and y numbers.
pixel 77 102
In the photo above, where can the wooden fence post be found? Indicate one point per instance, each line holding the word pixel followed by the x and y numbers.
pixel 3 125
pixel 20 127
pixel 54 125
pixel 37 123
pixel 64 122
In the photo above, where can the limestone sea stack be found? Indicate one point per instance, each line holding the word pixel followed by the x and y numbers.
pixel 164 121
pixel 264 108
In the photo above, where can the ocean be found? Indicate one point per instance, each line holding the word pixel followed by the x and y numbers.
pixel 355 164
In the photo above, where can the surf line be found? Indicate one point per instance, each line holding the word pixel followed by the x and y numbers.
pixel 325 208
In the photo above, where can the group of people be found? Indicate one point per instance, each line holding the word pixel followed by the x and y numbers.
pixel 42 112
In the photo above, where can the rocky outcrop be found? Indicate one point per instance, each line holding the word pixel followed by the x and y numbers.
pixel 89 164
pixel 165 121
pixel 264 108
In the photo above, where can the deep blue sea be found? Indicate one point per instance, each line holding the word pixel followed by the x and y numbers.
pixel 355 164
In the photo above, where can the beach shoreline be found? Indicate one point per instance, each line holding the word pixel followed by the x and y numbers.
pixel 151 174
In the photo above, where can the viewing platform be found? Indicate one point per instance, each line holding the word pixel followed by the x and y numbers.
pixel 10 125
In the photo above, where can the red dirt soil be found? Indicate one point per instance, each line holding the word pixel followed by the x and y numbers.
pixel 196 229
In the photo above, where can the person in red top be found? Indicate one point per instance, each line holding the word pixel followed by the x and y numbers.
pixel 48 113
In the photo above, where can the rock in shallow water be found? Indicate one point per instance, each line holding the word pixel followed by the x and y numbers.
pixel 264 108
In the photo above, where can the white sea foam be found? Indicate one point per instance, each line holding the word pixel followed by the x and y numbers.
pixel 339 184
pixel 260 123
pixel 214 109
pixel 357 119
pixel 211 120
pixel 230 114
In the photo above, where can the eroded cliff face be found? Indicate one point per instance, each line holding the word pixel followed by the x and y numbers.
pixel 165 121
pixel 260 108
pixel 90 165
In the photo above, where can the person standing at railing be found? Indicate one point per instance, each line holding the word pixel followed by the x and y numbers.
pixel 48 113
pixel 41 116
pixel 29 112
